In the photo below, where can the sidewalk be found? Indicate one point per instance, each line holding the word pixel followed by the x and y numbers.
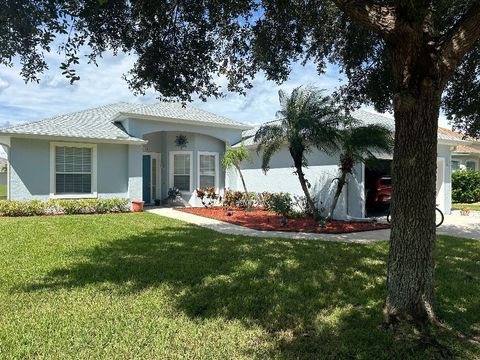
pixel 454 225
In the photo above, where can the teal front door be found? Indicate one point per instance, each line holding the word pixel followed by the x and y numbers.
pixel 147 171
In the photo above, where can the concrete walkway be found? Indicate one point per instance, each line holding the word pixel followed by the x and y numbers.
pixel 462 226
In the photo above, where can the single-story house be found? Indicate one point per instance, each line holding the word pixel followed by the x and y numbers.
pixel 465 156
pixel 141 151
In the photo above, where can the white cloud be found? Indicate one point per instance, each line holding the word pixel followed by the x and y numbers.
pixel 20 102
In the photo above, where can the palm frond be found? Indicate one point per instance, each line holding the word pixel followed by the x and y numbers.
pixel 270 138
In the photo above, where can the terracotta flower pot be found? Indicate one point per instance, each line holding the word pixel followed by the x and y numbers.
pixel 137 205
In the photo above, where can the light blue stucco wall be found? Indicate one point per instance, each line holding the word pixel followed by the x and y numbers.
pixel 29 161
pixel 112 170
pixel 139 128
pixel 164 143
pixel 29 169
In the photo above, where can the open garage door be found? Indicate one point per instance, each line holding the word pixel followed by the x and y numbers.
pixel 378 187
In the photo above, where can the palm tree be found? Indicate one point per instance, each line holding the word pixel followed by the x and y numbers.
pixel 233 158
pixel 307 120
pixel 358 144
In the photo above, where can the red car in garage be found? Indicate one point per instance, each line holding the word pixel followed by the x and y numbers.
pixel 382 192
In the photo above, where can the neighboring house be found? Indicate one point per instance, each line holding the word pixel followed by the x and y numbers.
pixel 464 156
pixel 140 151
pixel 3 171
pixel 323 169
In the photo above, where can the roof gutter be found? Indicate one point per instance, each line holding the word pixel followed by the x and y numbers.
pixel 70 138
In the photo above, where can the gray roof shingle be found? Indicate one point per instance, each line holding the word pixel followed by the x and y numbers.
pixel 93 123
pixel 180 111
pixel 99 123
pixel 365 117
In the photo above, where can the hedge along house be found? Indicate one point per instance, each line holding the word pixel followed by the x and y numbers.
pixel 119 150
pixel 323 169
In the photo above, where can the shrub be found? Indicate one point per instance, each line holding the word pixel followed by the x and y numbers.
pixel 281 203
pixel 73 206
pixel 466 186
pixel 232 199
pixel 264 200
pixel 22 208
pixel 208 196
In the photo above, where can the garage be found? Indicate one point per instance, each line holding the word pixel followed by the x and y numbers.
pixel 378 187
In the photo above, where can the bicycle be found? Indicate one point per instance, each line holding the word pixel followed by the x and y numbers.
pixel 439 217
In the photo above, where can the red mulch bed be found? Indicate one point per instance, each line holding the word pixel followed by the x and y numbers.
pixel 259 219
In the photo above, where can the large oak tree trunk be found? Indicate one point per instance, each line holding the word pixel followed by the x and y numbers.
pixel 410 284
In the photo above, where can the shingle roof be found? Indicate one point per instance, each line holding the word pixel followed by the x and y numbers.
pixel 180 111
pixel 93 123
pixel 99 123
pixel 467 149
pixel 365 117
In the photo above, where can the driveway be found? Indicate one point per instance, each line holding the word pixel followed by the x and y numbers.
pixel 462 226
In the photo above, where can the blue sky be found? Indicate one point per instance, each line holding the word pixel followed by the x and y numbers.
pixel 20 102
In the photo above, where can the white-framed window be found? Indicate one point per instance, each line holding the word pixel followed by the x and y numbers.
pixel 181 170
pixel 455 165
pixel 471 165
pixel 207 169
pixel 73 170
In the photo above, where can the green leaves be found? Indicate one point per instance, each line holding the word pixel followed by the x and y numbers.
pixel 235 156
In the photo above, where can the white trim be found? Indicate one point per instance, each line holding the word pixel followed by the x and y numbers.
pixel 131 141
pixel 93 194
pixel 215 154
pixel 171 154
pixel 440 198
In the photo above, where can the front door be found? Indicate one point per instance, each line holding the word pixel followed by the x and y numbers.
pixel 147 177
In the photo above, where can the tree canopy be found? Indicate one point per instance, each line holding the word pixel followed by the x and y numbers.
pixel 184 46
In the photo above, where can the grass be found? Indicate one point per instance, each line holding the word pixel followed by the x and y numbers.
pixel 143 286
pixel 475 206
pixel 3 190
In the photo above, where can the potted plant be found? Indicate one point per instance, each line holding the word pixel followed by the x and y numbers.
pixel 137 205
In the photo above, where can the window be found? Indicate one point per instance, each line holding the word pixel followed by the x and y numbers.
pixel 207 169
pixel 471 165
pixel 455 165
pixel 73 170
pixel 181 170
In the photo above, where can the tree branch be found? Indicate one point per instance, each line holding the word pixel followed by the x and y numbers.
pixel 459 40
pixel 378 18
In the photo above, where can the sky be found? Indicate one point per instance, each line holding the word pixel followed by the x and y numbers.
pixel 22 102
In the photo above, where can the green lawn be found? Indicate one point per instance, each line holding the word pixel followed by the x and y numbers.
pixel 143 286
pixel 475 207
pixel 3 190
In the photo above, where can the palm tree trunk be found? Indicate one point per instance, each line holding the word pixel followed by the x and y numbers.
pixel 341 183
pixel 243 180
pixel 303 184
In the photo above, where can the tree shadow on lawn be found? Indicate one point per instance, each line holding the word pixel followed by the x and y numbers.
pixel 315 299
